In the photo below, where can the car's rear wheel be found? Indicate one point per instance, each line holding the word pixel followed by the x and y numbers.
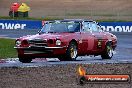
pixel 108 52
pixel 71 53
pixel 62 58
pixel 25 59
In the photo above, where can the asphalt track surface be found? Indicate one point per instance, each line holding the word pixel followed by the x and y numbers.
pixel 123 53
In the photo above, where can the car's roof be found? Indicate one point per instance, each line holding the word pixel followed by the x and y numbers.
pixel 74 20
pixel 77 20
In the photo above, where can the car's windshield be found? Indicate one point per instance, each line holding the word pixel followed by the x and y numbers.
pixel 60 27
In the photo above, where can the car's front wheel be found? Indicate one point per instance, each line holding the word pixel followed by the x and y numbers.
pixel 71 53
pixel 25 59
pixel 108 52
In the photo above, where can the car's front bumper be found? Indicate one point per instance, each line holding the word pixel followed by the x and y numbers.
pixel 41 50
pixel 40 47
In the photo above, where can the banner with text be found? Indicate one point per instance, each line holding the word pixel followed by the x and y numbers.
pixel 30 24
pixel 116 26
pixel 20 24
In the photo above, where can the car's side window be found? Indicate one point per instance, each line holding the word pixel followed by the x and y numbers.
pixel 94 27
pixel 90 27
pixel 86 27
pixel 74 27
pixel 99 28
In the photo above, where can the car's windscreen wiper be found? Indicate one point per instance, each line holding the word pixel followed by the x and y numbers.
pixel 51 32
pixel 71 31
pixel 47 32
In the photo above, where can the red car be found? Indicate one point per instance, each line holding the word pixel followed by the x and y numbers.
pixel 67 39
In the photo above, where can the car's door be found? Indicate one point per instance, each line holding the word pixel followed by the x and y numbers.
pixel 87 34
pixel 97 37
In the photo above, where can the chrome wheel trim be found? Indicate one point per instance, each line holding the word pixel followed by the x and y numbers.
pixel 73 53
pixel 110 51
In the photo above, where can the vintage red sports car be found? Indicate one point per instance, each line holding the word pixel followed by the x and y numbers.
pixel 67 39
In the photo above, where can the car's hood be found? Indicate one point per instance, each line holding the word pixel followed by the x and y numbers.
pixel 46 36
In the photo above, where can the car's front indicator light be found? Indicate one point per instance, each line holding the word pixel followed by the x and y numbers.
pixel 58 42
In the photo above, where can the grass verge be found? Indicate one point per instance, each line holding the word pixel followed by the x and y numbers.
pixel 6 48
pixel 58 18
pixel 30 18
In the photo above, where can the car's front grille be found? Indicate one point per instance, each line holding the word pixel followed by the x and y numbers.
pixel 38 42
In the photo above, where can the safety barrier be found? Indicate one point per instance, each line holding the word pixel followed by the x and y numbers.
pixel 31 24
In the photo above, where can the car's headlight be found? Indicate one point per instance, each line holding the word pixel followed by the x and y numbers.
pixel 58 42
pixel 18 43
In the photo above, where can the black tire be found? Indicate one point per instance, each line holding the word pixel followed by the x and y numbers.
pixel 10 13
pixel 16 14
pixel 25 60
pixel 25 14
pixel 62 58
pixel 21 14
pixel 71 53
pixel 108 52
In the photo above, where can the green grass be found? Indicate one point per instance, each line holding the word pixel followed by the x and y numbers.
pixel 7 48
pixel 89 14
pixel 57 18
